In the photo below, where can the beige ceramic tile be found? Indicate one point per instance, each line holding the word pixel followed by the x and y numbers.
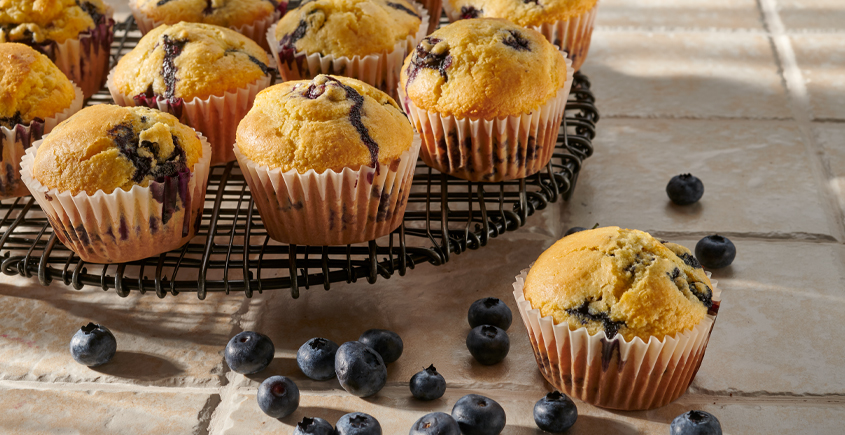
pixel 698 75
pixel 822 63
pixel 832 139
pixel 812 14
pixel 718 14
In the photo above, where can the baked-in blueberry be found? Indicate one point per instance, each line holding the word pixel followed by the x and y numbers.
pixel 172 49
pixel 715 251
pixel 358 423
pixel 470 12
pixel 93 345
pixel 695 423
pixel 313 426
pixel 611 327
pixel 436 423
pixel 488 344
pixel 388 344
pixel 428 384
pixel 479 415
pixel 249 352
pixel 555 412
pixel 278 396
pixel 316 358
pixel 489 311
pixel 360 369
pixel 685 189
pixel 516 41
pixel 425 57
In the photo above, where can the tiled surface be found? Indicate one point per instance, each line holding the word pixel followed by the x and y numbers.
pixel 832 139
pixel 821 60
pixel 688 14
pixel 815 15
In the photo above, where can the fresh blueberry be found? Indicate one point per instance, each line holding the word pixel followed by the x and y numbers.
pixel 278 396
pixel 388 344
pixel 360 369
pixel 358 423
pixel 93 345
pixel 685 189
pixel 488 344
pixel 313 426
pixel 489 311
pixel 249 352
pixel 316 358
pixel 555 412
pixel 428 384
pixel 715 251
pixel 574 230
pixel 436 423
pixel 695 423
pixel 478 415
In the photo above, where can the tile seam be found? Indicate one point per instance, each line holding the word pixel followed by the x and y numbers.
pixel 721 30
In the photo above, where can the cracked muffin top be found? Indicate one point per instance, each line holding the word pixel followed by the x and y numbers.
pixel 106 147
pixel 523 12
pixel 226 13
pixel 30 86
pixel 620 281
pixel 346 27
pixel 189 60
pixel 325 123
pixel 42 21
pixel 484 68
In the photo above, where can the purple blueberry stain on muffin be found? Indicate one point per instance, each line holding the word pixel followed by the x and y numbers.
pixel 287 46
pixel 209 7
pixel 426 57
pixel 355 113
pixel 403 8
pixel 91 10
pixel 263 66
pixel 517 41
pixel 11 121
pixel 172 49
pixel 470 12
pixel 585 315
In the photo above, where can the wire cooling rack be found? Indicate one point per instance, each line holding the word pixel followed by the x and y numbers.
pixel 232 253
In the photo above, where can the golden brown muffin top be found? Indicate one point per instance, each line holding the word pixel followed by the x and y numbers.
pixel 523 12
pixel 41 21
pixel 226 13
pixel 30 86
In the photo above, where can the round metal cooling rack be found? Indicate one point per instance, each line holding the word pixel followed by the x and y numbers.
pixel 232 253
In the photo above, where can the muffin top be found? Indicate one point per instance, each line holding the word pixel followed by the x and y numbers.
pixel 326 123
pixel 483 68
pixel 190 60
pixel 30 86
pixel 523 12
pixel 42 21
pixel 106 147
pixel 226 13
pixel 620 281
pixel 347 27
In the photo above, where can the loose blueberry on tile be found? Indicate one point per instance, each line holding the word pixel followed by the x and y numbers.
pixel 715 251
pixel 278 396
pixel 685 189
pixel 388 344
pixel 316 358
pixel 313 426
pixel 479 415
pixel 489 311
pixel 695 423
pixel 428 384
pixel 488 344
pixel 555 412
pixel 93 345
pixel 436 423
pixel 574 230
pixel 360 369
pixel 249 352
pixel 358 423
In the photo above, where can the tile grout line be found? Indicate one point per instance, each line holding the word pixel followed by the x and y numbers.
pixel 717 30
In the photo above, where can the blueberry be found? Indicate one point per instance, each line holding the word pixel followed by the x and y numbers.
pixel 478 415
pixel 428 384
pixel 436 423
pixel 313 426
pixel 358 423
pixel 695 423
pixel 316 358
pixel 574 230
pixel 249 352
pixel 715 251
pixel 388 344
pixel 360 369
pixel 278 396
pixel 489 311
pixel 93 345
pixel 488 344
pixel 555 412
pixel 685 189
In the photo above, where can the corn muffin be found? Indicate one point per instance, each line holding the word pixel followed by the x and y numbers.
pixel 226 13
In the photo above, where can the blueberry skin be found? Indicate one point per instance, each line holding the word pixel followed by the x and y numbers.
pixel 313 426
pixel 479 415
pixel 685 189
pixel 715 252
pixel 555 412
pixel 695 423
pixel 436 423
pixel 428 384
pixel 278 396
pixel 489 311
pixel 93 345
pixel 249 352
pixel 488 344
pixel 358 423
pixel 316 358
pixel 387 343
pixel 574 230
pixel 360 369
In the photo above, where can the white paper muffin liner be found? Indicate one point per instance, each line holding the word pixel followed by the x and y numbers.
pixel 124 225
pixel 614 373
pixel 380 69
pixel 490 150
pixel 216 117
pixel 16 140
pixel 332 208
